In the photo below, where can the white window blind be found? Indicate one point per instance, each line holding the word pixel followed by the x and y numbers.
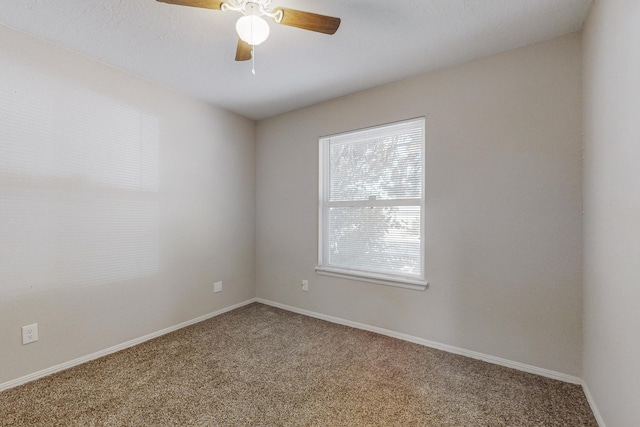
pixel 371 216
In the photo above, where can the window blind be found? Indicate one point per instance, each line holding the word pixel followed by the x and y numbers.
pixel 371 201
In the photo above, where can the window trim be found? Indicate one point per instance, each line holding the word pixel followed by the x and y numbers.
pixel 415 283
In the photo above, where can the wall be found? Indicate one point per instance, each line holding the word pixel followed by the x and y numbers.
pixel 503 173
pixel 121 203
pixel 612 210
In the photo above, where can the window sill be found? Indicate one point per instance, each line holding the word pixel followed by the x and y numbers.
pixel 380 279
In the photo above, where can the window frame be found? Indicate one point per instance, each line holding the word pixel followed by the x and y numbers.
pixel 416 282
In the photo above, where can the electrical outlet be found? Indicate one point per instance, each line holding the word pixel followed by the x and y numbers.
pixel 29 333
pixel 305 285
pixel 217 287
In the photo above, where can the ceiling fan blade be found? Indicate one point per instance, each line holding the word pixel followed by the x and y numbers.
pixel 309 21
pixel 243 53
pixel 207 4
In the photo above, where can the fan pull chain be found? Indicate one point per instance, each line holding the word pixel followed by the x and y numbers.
pixel 253 53
pixel 253 60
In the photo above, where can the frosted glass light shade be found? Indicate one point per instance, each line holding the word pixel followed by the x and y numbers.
pixel 252 29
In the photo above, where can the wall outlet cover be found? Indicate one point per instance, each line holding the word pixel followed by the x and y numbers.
pixel 217 287
pixel 30 333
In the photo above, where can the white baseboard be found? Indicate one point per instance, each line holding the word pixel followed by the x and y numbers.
pixel 98 354
pixel 592 404
pixel 433 344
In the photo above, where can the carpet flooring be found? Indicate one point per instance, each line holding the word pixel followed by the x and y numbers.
pixel 262 366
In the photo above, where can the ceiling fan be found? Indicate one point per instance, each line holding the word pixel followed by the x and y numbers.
pixel 253 29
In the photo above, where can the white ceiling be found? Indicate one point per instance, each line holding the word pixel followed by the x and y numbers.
pixel 192 50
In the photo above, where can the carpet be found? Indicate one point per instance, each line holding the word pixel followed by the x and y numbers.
pixel 263 366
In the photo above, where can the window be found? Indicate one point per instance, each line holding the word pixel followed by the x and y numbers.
pixel 371 212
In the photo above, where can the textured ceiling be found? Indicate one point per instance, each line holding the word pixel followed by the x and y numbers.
pixel 192 50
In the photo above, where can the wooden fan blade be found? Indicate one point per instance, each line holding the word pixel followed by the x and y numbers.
pixel 309 21
pixel 207 4
pixel 243 53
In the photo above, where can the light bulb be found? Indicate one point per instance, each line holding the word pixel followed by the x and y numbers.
pixel 252 29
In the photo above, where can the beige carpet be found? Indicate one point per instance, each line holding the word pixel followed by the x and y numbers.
pixel 261 366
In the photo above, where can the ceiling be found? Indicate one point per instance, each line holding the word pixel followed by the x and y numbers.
pixel 192 50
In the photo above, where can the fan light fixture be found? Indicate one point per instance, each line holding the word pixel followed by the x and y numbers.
pixel 252 29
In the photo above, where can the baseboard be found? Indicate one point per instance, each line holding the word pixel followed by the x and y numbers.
pixel 592 404
pixel 98 354
pixel 433 344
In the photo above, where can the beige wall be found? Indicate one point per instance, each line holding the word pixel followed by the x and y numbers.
pixel 93 250
pixel 503 177
pixel 503 210
pixel 612 210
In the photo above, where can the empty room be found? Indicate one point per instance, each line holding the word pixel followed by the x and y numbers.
pixel 320 213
